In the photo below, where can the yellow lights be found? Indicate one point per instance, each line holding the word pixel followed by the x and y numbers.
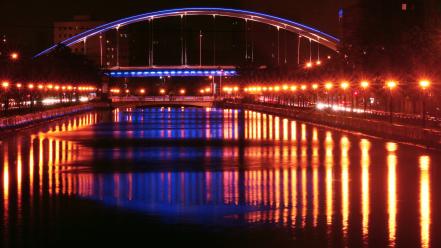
pixel 277 88
pixel 328 86
pixel 56 87
pixel 391 84
pixel 308 65
pixel 14 56
pixel 235 89
pixel 315 86
pixel 424 84
pixel 303 87
pixel 182 91
pixel 364 84
pixel 49 86
pixel 30 86
pixel 285 87
pixel 19 85
pixel 40 87
pixel 5 84
pixel 142 91
pixel 202 91
pixel 344 85
pixel 162 91
pixel 293 88
pixel 318 62
pixel 127 91
pixel 208 90
pixel 115 90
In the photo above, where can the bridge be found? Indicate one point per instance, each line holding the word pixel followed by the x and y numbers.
pixel 144 101
pixel 216 71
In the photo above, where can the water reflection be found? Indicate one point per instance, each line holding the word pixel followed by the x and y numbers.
pixel 425 200
pixel 392 190
pixel 269 170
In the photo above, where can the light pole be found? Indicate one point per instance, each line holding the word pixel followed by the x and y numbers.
pixel 364 85
pixel 314 89
pixel 328 87
pixel 5 86
pixel 424 85
pixel 200 48
pixel 391 85
pixel 344 86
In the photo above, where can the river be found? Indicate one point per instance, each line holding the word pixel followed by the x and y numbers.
pixel 213 178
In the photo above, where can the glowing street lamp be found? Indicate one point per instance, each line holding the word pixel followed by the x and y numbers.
pixel 5 85
pixel 328 87
pixel 424 85
pixel 162 91
pixel 365 85
pixel 308 65
pixel 142 91
pixel 14 56
pixel 391 85
pixel 182 91
pixel 315 88
pixel 30 86
pixel 344 85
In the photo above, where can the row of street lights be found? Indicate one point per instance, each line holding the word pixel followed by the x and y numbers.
pixel 344 86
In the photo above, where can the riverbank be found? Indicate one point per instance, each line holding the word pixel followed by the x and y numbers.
pixel 430 138
pixel 22 121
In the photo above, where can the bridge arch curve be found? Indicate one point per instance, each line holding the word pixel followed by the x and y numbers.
pixel 295 27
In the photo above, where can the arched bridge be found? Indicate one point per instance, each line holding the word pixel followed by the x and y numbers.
pixel 281 23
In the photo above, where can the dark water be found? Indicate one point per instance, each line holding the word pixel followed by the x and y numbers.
pixel 213 177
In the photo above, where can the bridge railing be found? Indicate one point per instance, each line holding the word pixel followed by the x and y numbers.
pixel 162 98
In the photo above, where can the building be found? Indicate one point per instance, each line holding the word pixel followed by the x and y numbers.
pixel 103 49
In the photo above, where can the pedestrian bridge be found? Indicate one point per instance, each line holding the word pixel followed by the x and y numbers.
pixel 145 101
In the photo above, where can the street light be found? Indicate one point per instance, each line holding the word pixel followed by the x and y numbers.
pixel 14 56
pixel 344 86
pixel 328 87
pixel 391 85
pixel 315 88
pixel 424 85
pixel 162 91
pixel 5 84
pixel 364 85
pixel 182 91
pixel 142 91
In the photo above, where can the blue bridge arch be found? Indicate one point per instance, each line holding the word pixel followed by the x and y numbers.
pixel 282 23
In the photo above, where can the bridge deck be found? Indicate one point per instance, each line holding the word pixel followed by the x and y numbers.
pixel 140 101
pixel 174 71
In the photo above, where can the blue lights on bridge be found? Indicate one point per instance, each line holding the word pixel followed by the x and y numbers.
pixel 304 30
pixel 172 73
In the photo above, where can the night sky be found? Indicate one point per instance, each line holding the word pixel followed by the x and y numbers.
pixel 28 24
